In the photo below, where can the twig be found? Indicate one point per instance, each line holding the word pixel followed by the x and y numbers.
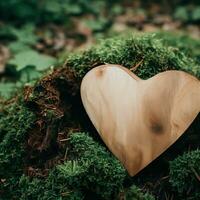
pixel 65 156
pixel 134 68
pixel 196 174
pixel 63 140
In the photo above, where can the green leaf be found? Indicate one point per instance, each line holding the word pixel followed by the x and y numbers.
pixel 7 90
pixel 196 14
pixel 26 34
pixel 18 46
pixel 29 74
pixel 181 13
pixel 6 33
pixel 97 24
pixel 72 9
pixel 32 58
pixel 53 6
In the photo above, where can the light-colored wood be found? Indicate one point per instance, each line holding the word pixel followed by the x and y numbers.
pixel 139 119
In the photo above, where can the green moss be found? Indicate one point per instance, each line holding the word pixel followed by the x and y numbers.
pixel 89 171
pixel 15 121
pixel 14 125
pixel 134 193
pixel 98 170
pixel 52 188
pixel 90 168
pixel 189 46
pixel 184 174
pixel 157 55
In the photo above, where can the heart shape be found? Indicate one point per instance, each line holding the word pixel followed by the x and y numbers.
pixel 139 119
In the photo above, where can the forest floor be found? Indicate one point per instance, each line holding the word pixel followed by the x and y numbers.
pixel 29 52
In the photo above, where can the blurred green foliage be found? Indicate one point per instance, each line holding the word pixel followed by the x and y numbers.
pixel 59 11
pixel 187 13
pixel 26 76
pixel 31 58
pixel 22 11
pixel 26 65
pixel 19 35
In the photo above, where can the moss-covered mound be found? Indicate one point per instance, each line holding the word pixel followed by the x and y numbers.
pixel 50 150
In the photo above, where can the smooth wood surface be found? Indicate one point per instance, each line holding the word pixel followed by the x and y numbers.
pixel 139 119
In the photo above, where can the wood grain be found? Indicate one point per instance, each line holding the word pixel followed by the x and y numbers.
pixel 139 119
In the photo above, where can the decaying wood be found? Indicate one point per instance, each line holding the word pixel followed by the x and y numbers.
pixel 139 119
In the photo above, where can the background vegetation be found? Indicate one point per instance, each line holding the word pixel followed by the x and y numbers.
pixel 48 146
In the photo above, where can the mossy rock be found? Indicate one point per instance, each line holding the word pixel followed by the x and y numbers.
pixel 41 155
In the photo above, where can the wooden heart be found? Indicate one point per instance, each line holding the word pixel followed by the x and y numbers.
pixel 139 119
